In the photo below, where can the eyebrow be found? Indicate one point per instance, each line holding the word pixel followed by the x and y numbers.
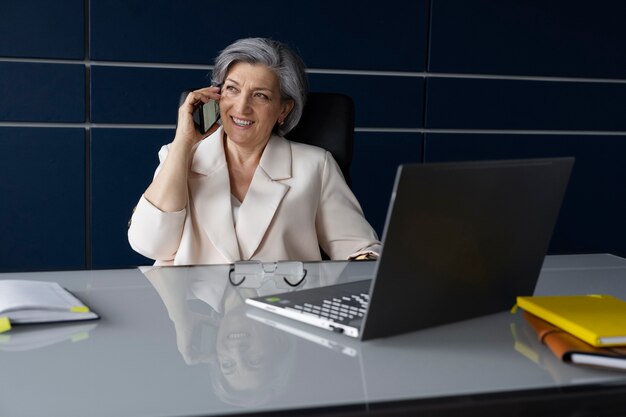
pixel 255 88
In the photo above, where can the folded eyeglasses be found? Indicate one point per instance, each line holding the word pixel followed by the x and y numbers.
pixel 286 274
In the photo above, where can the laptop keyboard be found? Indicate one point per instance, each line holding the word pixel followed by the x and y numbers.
pixel 336 309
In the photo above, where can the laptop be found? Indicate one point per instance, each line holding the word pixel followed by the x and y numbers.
pixel 461 240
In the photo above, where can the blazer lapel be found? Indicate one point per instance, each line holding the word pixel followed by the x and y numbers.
pixel 264 195
pixel 210 185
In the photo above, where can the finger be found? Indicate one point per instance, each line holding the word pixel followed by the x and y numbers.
pixel 195 98
pixel 212 92
pixel 213 88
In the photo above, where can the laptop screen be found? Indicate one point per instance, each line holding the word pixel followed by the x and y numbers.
pixel 463 239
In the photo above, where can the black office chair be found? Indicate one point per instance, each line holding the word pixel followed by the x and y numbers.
pixel 328 122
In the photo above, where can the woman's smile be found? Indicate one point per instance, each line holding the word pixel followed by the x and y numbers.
pixel 241 122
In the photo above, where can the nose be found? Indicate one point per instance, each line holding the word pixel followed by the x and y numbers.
pixel 242 104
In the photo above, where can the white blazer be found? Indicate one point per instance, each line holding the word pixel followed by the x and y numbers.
pixel 298 201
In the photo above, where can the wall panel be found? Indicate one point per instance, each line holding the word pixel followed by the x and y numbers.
pixel 542 38
pixel 328 34
pixel 373 171
pixel 591 219
pixel 42 29
pixel 140 95
pixel 462 103
pixel 122 165
pixel 43 199
pixel 380 101
pixel 42 92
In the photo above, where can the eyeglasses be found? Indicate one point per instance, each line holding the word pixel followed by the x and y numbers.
pixel 285 274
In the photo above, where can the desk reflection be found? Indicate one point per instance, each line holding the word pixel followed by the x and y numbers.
pixel 527 343
pixel 248 362
pixel 38 336
pixel 254 357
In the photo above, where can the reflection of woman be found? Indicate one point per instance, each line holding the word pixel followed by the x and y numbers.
pixel 245 192
pixel 253 358
pixel 248 361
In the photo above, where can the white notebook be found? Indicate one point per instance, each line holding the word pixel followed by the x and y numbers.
pixel 23 301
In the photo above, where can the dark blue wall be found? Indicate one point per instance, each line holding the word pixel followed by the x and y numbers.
pixel 89 90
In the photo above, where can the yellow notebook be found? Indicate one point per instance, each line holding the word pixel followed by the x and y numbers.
pixel 599 320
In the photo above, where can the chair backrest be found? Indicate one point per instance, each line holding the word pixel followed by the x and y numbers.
pixel 328 122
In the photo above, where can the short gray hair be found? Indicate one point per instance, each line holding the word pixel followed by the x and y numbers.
pixel 277 56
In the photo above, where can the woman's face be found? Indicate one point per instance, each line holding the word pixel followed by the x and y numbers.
pixel 246 351
pixel 251 104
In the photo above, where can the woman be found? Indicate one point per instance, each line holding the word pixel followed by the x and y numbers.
pixel 245 192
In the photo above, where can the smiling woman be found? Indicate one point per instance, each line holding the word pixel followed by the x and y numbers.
pixel 251 106
pixel 243 191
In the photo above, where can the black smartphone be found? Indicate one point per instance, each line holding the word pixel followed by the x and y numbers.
pixel 206 115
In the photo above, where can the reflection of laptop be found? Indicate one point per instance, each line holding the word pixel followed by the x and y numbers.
pixel 342 346
pixel 461 240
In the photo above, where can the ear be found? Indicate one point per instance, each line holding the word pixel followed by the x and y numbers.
pixel 286 108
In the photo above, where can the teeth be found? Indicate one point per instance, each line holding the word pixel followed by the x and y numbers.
pixel 238 335
pixel 240 122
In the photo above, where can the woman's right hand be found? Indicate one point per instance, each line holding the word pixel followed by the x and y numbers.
pixel 186 131
pixel 168 190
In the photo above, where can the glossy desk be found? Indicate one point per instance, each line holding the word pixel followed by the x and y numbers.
pixel 179 341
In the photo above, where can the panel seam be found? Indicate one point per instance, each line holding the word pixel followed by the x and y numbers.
pixel 429 19
pixel 88 223
pixel 363 129
pixel 332 71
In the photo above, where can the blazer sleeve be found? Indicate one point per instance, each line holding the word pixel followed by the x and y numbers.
pixel 154 233
pixel 342 229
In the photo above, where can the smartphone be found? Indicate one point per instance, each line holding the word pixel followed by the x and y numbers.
pixel 206 115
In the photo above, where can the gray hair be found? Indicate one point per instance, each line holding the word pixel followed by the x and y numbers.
pixel 277 56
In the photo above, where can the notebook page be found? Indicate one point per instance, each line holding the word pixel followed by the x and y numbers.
pixel 26 295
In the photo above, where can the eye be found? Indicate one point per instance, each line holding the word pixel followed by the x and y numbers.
pixel 255 360
pixel 261 97
pixel 227 364
pixel 231 89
